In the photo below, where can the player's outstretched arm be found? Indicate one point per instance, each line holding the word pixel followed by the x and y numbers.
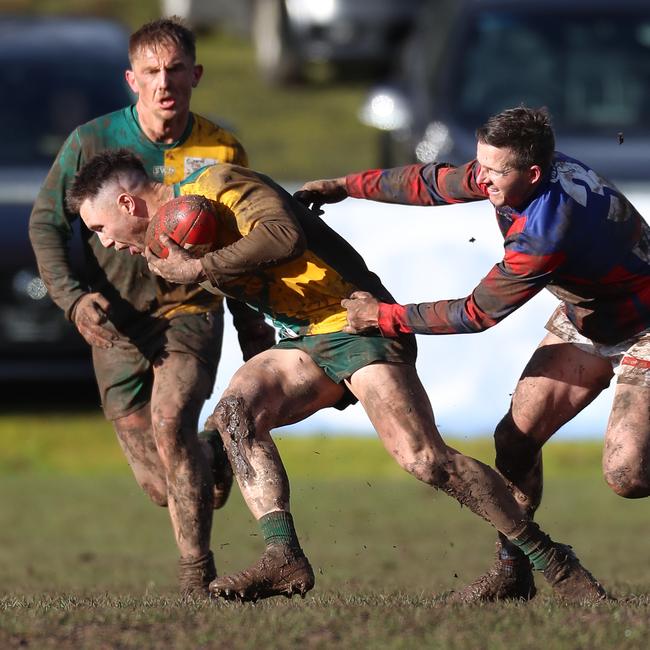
pixel 314 194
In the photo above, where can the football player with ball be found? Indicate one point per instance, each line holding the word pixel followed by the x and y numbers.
pixel 281 258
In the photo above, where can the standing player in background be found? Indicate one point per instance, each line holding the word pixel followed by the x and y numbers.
pixel 566 229
pixel 156 346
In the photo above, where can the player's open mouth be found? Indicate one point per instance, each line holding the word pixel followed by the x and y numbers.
pixel 167 102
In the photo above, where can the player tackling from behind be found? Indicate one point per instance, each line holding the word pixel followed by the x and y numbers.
pixel 281 258
pixel 566 229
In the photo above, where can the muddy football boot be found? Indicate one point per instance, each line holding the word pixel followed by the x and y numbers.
pixel 281 571
pixel 508 579
pixel 570 580
pixel 221 469
pixel 195 575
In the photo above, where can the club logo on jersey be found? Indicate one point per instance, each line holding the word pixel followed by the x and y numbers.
pixel 192 164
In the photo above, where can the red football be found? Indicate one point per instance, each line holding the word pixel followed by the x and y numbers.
pixel 188 220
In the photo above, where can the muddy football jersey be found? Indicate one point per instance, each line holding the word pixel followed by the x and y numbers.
pixel 577 236
pixel 124 279
pixel 277 255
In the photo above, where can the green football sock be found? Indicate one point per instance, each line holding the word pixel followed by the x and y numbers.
pixel 277 528
pixel 536 545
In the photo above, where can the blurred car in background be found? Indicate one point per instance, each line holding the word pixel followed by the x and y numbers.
pixel 588 61
pixel 289 35
pixel 55 73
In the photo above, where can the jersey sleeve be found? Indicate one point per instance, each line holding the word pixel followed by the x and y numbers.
pixel 272 235
pixel 428 184
pixel 519 276
pixel 50 228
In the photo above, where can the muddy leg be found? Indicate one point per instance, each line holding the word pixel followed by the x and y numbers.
pixel 558 382
pixel 180 387
pixel 626 457
pixel 275 388
pixel 135 436
pixel 400 411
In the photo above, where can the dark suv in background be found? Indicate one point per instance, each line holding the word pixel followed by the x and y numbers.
pixel 55 74
pixel 587 60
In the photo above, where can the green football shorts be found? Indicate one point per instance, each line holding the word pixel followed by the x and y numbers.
pixel 340 355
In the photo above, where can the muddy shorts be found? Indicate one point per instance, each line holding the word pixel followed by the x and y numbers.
pixel 630 359
pixel 124 371
pixel 340 355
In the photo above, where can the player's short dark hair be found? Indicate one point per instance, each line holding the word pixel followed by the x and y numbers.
pixel 100 169
pixel 164 31
pixel 526 131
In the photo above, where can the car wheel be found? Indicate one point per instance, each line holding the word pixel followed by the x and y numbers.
pixel 277 55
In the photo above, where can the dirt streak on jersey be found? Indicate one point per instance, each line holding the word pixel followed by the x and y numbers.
pixel 124 279
pixel 277 255
pixel 578 236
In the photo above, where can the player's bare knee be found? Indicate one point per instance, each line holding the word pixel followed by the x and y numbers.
pixel 628 482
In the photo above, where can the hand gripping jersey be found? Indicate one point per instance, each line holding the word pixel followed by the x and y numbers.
pixel 277 255
pixel 124 279
pixel 578 236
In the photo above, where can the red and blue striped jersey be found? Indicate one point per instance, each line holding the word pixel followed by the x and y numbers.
pixel 578 236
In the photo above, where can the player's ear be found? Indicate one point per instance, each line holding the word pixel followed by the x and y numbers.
pixel 126 203
pixel 129 75
pixel 534 173
pixel 197 73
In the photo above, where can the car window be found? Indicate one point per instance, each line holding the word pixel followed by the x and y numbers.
pixel 591 69
pixel 43 101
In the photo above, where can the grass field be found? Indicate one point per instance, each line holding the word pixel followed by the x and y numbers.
pixel 88 562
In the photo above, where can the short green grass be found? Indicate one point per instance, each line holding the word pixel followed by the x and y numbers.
pixel 87 562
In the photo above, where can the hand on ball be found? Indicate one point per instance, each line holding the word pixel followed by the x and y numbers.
pixel 178 267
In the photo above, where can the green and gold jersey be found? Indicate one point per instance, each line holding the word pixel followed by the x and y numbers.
pixel 124 279
pixel 277 255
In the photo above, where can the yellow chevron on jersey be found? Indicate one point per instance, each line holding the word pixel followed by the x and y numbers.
pixel 309 290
